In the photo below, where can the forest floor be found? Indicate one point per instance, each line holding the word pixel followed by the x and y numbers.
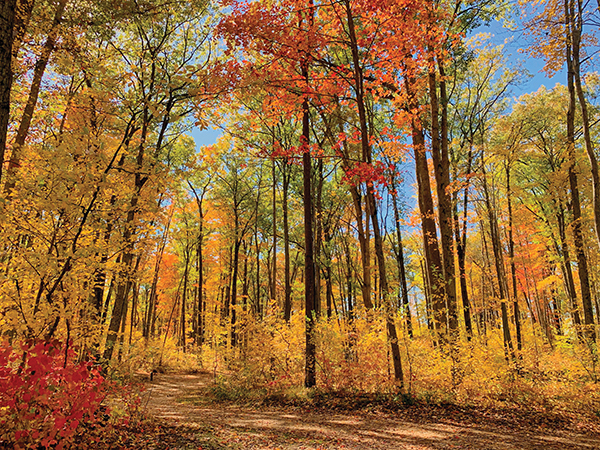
pixel 183 416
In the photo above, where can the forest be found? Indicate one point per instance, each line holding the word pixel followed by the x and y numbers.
pixel 380 214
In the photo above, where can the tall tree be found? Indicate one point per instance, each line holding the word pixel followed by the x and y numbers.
pixel 582 263
pixel 32 99
pixel 7 21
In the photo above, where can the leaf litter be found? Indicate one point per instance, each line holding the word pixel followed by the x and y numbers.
pixel 182 414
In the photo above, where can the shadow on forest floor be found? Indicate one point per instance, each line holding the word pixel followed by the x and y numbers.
pixel 173 398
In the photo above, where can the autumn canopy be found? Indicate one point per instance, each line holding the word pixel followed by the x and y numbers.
pixel 379 213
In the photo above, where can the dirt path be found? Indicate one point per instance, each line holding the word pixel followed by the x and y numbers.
pixel 169 396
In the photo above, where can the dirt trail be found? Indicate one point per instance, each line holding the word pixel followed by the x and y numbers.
pixel 289 428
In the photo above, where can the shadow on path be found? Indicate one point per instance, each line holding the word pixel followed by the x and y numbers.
pixel 290 429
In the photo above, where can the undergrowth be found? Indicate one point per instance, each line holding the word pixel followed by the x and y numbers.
pixel 51 399
pixel 354 369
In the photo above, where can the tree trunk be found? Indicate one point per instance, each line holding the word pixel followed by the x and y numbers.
pixel 441 166
pixel 133 290
pixel 567 271
pixel 371 202
pixel 511 256
pixel 460 236
pixel 389 315
pixel 287 302
pixel 582 265
pixel 427 295
pixel 134 308
pixel 122 332
pixel 349 284
pixel 433 266
pixel 245 280
pixel 109 293
pixel 7 23
pixel 100 272
pixel 310 361
pixel 123 285
pixel 363 231
pixel 234 277
pixel 34 91
pixel 328 273
pixel 124 282
pixel 274 270
pixel 24 9
pixel 187 253
pixel 199 332
pixel 226 296
pixel 403 291
pixel 575 25
pixel 318 218
pixel 257 295
pixel 309 264
pixel 148 329
pixel 499 264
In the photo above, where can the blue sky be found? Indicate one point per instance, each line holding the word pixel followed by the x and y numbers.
pixel 205 137
pixel 514 44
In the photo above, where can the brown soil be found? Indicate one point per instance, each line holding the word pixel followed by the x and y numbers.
pixel 173 399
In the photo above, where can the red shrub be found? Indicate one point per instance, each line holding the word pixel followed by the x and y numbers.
pixel 45 398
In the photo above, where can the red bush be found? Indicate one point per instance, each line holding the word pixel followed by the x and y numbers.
pixel 45 398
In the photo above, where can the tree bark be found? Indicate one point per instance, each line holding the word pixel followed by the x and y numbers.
pixel 574 24
pixel 499 264
pixel 433 266
pixel 24 9
pixel 124 282
pixel 199 332
pixel 511 256
pixel 187 254
pixel 586 297
pixel 310 361
pixel 371 202
pixel 403 291
pixel 568 272
pixel 7 23
pixel 287 302
pixel 318 218
pixel 233 293
pixel 441 166
pixel 34 91
pixel 257 295
pixel 309 264
pixel 274 270
pixel 148 329
pixel 460 236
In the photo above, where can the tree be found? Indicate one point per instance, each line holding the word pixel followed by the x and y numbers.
pixel 236 201
pixel 567 17
pixel 7 20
